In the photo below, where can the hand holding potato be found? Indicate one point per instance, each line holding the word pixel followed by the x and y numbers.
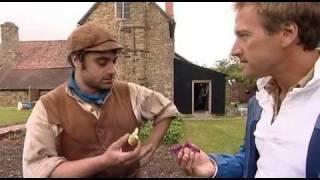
pixel 193 160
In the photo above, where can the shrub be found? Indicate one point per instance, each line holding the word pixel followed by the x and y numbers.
pixel 173 135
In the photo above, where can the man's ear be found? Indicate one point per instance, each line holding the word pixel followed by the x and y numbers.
pixel 289 34
pixel 76 61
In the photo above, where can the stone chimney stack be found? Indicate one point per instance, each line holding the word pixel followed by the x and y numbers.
pixel 169 9
pixel 9 35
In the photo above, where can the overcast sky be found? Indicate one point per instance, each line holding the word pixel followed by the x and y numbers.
pixel 204 30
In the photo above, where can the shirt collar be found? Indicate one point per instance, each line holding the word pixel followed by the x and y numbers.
pixel 268 83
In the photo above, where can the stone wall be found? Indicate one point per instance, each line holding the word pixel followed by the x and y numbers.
pixel 161 53
pixel 148 55
pixel 238 93
pixel 43 92
pixel 131 63
pixel 9 41
pixel 9 34
pixel 11 98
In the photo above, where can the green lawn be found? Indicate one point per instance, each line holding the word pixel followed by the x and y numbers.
pixel 218 136
pixel 10 116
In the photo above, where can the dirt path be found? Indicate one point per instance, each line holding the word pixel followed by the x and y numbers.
pixel 11 155
pixel 11 146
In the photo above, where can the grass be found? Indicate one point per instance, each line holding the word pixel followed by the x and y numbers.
pixel 11 116
pixel 222 135
pixel 215 136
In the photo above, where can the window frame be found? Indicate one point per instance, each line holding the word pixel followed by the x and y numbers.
pixel 123 14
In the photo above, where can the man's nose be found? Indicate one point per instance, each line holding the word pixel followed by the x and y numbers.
pixel 111 68
pixel 236 50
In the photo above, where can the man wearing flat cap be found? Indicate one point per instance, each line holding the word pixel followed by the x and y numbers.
pixel 80 129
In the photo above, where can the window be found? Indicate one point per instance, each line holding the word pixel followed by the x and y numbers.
pixel 122 10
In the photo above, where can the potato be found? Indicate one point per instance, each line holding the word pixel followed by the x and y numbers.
pixel 133 139
pixel 177 147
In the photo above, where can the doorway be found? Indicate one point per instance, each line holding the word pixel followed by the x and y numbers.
pixel 201 96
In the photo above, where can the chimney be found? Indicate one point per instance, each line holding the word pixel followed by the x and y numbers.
pixel 169 9
pixel 9 34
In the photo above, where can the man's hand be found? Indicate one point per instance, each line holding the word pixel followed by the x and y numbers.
pixel 195 163
pixel 115 157
pixel 112 158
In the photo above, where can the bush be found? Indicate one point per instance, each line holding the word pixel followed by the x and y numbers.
pixel 173 135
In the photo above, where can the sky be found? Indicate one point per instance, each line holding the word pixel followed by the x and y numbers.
pixel 203 34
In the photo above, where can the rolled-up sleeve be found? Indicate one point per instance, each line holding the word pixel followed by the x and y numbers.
pixel 151 105
pixel 40 155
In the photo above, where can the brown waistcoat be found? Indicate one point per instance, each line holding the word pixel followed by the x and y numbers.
pixel 85 136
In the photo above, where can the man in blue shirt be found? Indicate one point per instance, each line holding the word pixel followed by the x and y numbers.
pixel 275 42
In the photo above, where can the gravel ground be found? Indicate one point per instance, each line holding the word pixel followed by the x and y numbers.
pixel 11 146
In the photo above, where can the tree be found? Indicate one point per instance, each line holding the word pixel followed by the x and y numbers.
pixel 231 67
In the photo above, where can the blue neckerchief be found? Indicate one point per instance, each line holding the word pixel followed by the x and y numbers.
pixel 96 98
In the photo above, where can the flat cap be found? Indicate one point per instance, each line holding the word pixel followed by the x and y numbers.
pixel 92 37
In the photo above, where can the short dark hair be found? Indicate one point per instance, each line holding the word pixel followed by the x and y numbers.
pixel 78 54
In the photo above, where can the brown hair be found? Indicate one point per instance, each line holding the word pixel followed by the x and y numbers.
pixel 81 56
pixel 78 54
pixel 306 15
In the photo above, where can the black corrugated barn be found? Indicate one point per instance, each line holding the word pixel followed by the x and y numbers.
pixel 198 89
